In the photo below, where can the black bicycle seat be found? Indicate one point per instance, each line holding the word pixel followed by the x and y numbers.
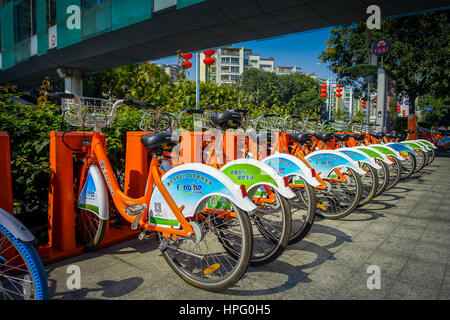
pixel 301 137
pixel 158 142
pixel 324 136
pixel 341 137
pixel 358 137
pixel 378 135
pixel 227 119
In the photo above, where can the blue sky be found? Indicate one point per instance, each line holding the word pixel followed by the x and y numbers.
pixel 300 49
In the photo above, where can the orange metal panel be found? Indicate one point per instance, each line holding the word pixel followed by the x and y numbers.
pixel 6 196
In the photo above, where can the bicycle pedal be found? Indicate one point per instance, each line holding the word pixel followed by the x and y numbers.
pixel 164 244
pixel 135 223
pixel 135 209
pixel 146 234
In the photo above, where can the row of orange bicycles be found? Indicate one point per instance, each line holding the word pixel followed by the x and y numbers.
pixel 256 187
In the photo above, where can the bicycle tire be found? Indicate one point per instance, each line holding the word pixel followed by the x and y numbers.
pixel 89 228
pixel 421 160
pixel 26 256
pixel 195 275
pixel 383 177
pixel 305 212
pixel 407 171
pixel 395 171
pixel 369 185
pixel 270 237
pixel 432 156
pixel 336 195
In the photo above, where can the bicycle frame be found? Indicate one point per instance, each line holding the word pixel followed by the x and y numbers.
pixel 96 153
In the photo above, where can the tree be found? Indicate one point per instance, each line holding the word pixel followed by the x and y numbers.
pixel 418 62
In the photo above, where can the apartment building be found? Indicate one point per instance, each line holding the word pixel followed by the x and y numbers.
pixel 173 71
pixel 230 62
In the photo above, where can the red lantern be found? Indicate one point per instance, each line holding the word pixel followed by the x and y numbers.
pixel 186 64
pixel 374 105
pixel 363 104
pixel 209 52
pixel 323 95
pixel 323 86
pixel 338 95
pixel 338 85
pixel 339 90
pixel 209 61
pixel 323 90
pixel 404 113
pixel 398 108
pixel 375 99
pixel 186 56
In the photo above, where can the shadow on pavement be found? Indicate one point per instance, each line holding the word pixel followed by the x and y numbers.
pixel 283 275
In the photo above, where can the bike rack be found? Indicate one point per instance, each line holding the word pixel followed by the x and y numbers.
pixel 61 207
pixel 6 196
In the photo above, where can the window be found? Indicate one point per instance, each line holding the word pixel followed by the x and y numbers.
pixel 51 12
pixel 225 69
pixel 235 69
pixel 234 60
pixel 225 60
pixel 213 69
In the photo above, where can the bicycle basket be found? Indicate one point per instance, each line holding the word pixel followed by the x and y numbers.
pixel 292 125
pixel 153 121
pixel 270 123
pixel 92 113
pixel 203 121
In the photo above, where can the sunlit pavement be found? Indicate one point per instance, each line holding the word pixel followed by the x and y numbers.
pixel 405 234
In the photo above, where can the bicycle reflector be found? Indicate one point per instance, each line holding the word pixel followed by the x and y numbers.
pixel 244 191
pixel 286 181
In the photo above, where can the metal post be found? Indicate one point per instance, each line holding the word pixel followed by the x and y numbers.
pixel 381 99
pixel 368 103
pixel 197 79
pixel 329 83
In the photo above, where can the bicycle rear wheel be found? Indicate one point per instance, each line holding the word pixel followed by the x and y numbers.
pixel 341 198
pixel 218 257
pixel 22 275
pixel 271 222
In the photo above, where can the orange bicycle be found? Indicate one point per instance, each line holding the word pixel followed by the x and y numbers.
pixel 209 249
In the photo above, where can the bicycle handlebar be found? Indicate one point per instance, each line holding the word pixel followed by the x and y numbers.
pixel 138 103
pixel 243 111
pixel 62 95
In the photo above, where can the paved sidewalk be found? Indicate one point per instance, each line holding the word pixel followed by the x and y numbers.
pixel 405 232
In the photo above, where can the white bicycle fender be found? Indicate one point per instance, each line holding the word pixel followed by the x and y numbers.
pixel 251 172
pixel 325 161
pixel 94 195
pixel 188 185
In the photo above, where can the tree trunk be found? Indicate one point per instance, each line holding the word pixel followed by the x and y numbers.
pixel 412 103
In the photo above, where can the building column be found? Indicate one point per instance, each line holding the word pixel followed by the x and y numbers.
pixel 73 80
pixel 381 99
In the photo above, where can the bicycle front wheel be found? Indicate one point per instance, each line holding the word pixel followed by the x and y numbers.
pixel 408 166
pixel 303 212
pixel 383 177
pixel 271 222
pixel 369 184
pixel 220 253
pixel 22 275
pixel 395 173
pixel 340 198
